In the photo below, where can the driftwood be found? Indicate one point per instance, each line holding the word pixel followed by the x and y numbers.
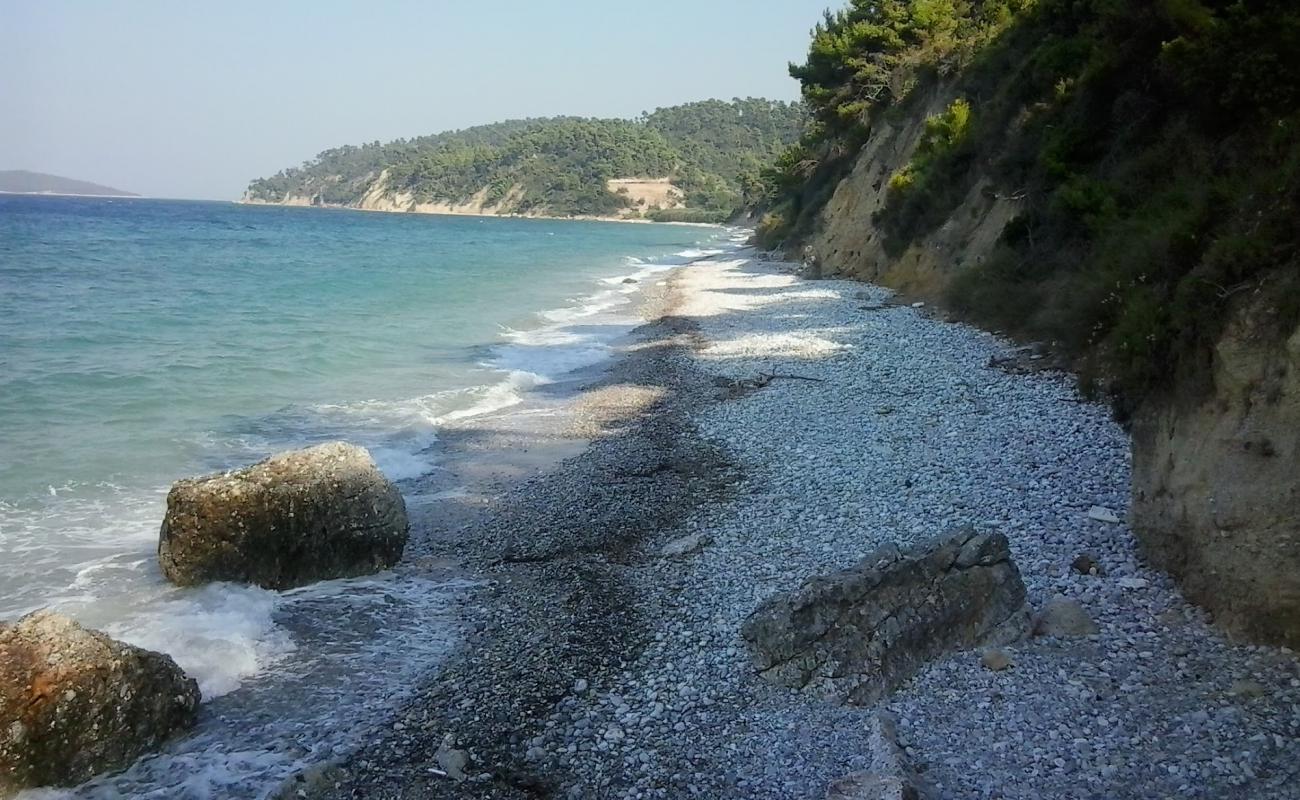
pixel 1225 292
pixel 1029 360
pixel 1015 196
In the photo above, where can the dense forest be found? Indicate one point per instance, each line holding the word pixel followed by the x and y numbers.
pixel 713 151
pixel 1151 147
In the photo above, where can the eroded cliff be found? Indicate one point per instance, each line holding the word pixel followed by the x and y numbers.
pixel 1216 499
pixel 1216 455
pixel 846 241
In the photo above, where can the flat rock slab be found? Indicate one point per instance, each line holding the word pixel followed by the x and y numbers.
pixel 856 634
pixel 995 659
pixel 1101 514
pixel 1063 617
pixel 295 518
pixel 74 703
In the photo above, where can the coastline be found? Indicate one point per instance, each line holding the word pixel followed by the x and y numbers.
pixel 454 213
pixel 481 415
pixel 74 194
pixel 595 666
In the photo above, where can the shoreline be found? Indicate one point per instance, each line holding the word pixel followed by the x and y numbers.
pixel 599 491
pixel 597 667
pixel 580 218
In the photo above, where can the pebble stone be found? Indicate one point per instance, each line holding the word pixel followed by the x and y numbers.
pixel 829 475
pixel 881 425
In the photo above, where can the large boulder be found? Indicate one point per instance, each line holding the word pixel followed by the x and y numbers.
pixel 297 517
pixel 856 634
pixel 74 702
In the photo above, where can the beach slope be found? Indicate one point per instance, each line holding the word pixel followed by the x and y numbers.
pixel 600 664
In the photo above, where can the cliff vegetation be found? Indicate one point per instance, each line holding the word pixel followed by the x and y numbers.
pixel 1148 152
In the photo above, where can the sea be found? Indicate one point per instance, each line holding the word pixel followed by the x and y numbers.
pixel 142 341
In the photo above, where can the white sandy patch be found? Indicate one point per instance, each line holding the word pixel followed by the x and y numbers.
pixel 719 288
pixel 795 345
pixel 713 288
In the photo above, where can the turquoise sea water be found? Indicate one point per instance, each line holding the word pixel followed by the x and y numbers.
pixel 142 341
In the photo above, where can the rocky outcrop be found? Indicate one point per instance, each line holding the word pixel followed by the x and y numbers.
pixel 1216 478
pixel 381 196
pixel 856 634
pixel 644 194
pixel 74 702
pixel 287 200
pixel 298 517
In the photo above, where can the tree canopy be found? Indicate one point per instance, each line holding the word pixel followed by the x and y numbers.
pixel 711 150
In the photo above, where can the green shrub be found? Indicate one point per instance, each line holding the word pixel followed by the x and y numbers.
pixel 923 192
pixel 772 230
pixel 944 135
pixel 871 58
pixel 1087 201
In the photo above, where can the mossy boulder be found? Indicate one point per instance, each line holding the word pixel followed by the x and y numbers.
pixel 295 518
pixel 74 702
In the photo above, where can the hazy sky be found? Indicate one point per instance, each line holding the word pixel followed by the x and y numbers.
pixel 189 99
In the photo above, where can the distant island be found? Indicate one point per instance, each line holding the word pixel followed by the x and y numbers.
pixel 21 181
pixel 696 162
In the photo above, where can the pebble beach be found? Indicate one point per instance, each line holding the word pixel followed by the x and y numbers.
pixel 761 429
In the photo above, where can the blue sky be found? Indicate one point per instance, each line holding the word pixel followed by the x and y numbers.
pixel 188 99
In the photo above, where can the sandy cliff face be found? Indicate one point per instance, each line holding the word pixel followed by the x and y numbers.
pixel 1216 491
pixel 381 197
pixel 847 242
pixel 1216 500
